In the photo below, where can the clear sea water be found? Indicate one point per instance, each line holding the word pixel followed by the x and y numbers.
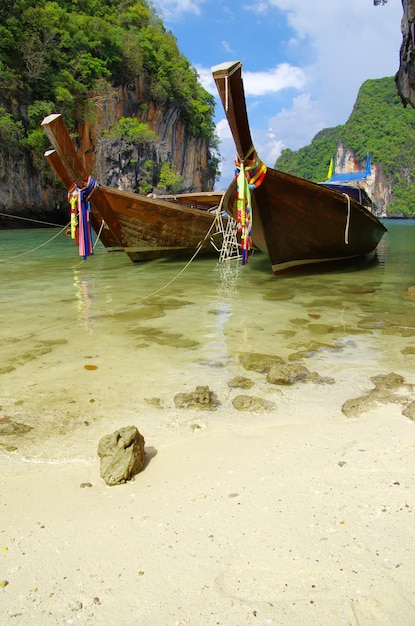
pixel 88 347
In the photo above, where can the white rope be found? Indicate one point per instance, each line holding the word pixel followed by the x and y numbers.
pixel 346 230
pixel 30 219
pixel 99 234
pixel 16 256
pixel 170 282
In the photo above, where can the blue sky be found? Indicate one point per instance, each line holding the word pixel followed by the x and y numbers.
pixel 303 61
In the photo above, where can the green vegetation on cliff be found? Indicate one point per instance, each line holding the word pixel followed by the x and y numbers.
pixel 378 124
pixel 63 54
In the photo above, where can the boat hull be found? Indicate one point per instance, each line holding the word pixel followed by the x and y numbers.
pixel 302 224
pixel 153 228
pixel 145 227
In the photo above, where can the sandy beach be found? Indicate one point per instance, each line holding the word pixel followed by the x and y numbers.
pixel 296 515
pixel 304 522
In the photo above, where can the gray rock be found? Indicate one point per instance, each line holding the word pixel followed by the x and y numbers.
pixel 355 407
pixel 258 362
pixel 286 374
pixel 409 411
pixel 122 455
pixel 202 398
pixel 252 403
pixel 383 393
pixel 240 382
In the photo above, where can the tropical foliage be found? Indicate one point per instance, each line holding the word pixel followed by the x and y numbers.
pixel 378 124
pixel 59 55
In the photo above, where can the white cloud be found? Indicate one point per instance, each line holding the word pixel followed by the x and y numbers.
pixel 226 47
pixel 331 48
pixel 273 80
pixel 173 9
pixel 296 126
pixel 262 83
pixel 351 42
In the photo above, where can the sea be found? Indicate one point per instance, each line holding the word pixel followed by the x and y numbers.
pixel 88 347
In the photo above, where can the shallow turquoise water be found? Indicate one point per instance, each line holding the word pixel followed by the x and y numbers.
pixel 90 346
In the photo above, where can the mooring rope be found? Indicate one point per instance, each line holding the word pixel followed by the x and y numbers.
pixel 157 291
pixel 30 219
pixel 170 282
pixel 16 256
pixel 99 234
pixel 30 335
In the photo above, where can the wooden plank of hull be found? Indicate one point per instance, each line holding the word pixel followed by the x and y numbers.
pixel 294 221
pixel 154 228
pixel 201 199
pixel 146 227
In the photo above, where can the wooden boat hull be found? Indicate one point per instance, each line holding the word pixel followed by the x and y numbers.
pixel 152 228
pixel 295 222
pixel 145 227
pixel 304 224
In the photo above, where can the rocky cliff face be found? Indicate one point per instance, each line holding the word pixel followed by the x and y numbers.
pixel 405 78
pixel 118 163
pixel 375 185
pixel 28 192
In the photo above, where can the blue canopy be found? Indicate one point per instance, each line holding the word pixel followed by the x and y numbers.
pixel 352 176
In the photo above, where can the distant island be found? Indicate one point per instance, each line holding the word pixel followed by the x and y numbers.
pixel 379 124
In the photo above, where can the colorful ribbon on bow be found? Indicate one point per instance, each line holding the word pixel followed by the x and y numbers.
pixel 81 227
pixel 251 173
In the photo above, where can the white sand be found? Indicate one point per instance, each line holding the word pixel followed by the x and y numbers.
pixel 303 523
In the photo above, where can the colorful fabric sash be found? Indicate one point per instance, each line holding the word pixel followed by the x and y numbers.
pixel 250 175
pixel 81 227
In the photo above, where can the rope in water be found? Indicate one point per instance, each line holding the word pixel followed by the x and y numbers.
pixel 30 219
pixel 16 256
pixel 154 293
pixel 170 282
pixel 30 335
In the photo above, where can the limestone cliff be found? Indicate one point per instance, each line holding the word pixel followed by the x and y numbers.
pixel 378 189
pixel 405 77
pixel 27 191
pixel 117 163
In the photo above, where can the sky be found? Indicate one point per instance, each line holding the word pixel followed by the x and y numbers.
pixel 303 62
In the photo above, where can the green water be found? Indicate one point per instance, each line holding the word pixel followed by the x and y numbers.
pixel 87 347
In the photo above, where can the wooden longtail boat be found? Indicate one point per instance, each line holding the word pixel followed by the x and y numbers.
pixel 295 222
pixel 145 227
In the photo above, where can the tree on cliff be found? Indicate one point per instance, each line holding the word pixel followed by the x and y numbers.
pixel 61 55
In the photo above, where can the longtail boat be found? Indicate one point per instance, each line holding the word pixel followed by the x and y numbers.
pixel 295 222
pixel 145 227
